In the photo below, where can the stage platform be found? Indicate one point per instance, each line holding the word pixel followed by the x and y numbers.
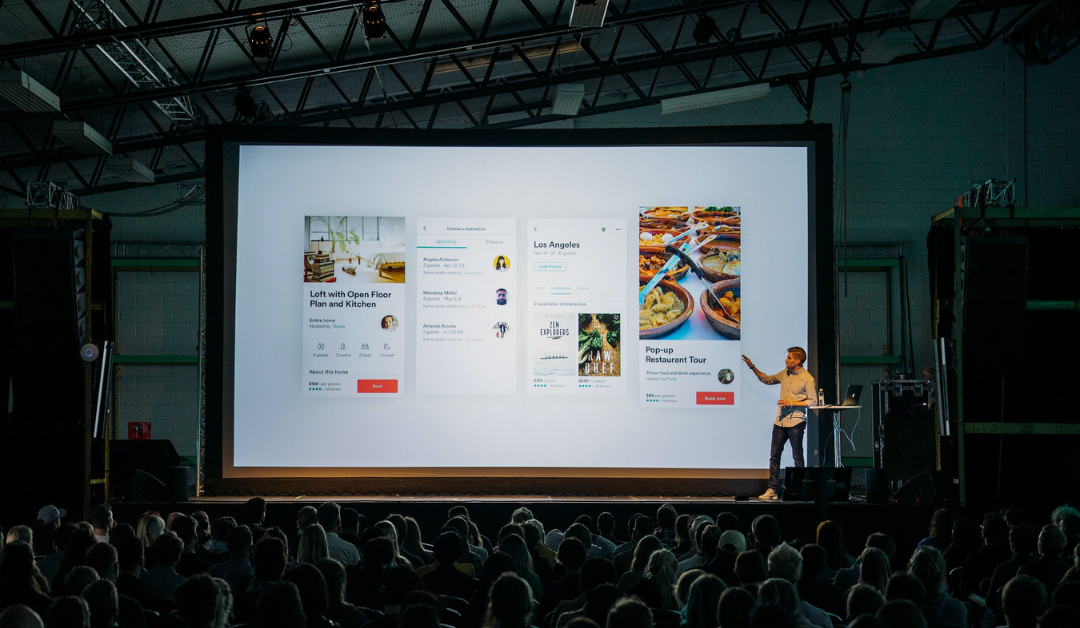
pixel 906 524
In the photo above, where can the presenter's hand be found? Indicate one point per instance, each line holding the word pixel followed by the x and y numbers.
pixel 783 402
pixel 748 362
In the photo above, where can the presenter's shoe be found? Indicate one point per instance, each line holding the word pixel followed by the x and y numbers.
pixel 769 494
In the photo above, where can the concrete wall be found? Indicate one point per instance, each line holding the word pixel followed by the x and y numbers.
pixel 919 135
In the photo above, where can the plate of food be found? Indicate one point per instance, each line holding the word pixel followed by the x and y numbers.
pixel 666 308
pixel 728 291
pixel 725 215
pixel 649 263
pixel 646 224
pixel 723 245
pixel 654 240
pixel 667 213
pixel 721 264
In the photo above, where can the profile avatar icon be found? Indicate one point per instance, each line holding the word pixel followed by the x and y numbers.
pixel 389 322
pixel 726 376
pixel 500 296
pixel 501 329
pixel 502 263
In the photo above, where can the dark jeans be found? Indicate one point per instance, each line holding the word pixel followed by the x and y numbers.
pixel 779 436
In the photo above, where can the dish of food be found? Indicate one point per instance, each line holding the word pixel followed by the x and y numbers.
pixel 666 308
pixel 719 264
pixel 666 212
pixel 649 264
pixel 654 240
pixel 646 224
pixel 729 291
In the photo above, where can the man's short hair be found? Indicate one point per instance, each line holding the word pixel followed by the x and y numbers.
pixel 329 515
pixel 129 553
pixel 184 528
pixel 239 542
pixel 307 516
pixel 531 528
pixel 883 542
pixel 79 578
pixel 863 598
pixel 102 558
pixel 1024 539
pixel 521 515
pixel 103 602
pixel 665 517
pixel 786 563
pixel 197 600
pixel 457 511
pixel 1051 540
pixel 572 553
pixel 1022 599
pixel 100 515
pixel 735 606
pixel 448 547
pixel 629 613
pixel 350 518
pixel 268 559
pixel 605 522
pixel 69 610
pixel 221 527
pixel 727 521
pixel 799 353
pixel 904 586
pixel 766 530
pixel 580 532
pixel 994 528
pixel 254 510
pixel 167 548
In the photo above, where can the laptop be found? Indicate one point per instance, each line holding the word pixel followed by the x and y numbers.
pixel 851 397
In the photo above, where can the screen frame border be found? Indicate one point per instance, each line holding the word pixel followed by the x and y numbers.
pixel 222 162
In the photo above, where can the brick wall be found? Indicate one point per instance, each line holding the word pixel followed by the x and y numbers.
pixel 919 135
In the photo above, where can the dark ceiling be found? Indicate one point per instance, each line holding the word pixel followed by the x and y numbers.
pixel 134 70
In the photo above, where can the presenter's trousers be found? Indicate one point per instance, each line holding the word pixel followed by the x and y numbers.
pixel 780 435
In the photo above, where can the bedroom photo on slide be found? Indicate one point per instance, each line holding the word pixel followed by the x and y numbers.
pixel 354 249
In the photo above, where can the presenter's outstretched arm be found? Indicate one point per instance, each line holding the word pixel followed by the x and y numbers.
pixel 762 377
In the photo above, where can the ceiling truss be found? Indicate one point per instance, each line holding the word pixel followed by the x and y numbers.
pixel 457 71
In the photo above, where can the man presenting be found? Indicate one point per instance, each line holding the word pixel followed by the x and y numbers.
pixel 797 391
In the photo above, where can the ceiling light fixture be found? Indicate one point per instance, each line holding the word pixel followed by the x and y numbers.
pixel 703 32
pixel 888 47
pixel 713 99
pixel 260 41
pixel 26 93
pixel 81 137
pixel 588 13
pixel 568 97
pixel 374 21
pixel 129 170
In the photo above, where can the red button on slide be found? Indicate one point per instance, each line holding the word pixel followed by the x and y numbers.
pixel 716 398
pixel 376 385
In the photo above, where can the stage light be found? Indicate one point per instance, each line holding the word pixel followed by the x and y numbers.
pixel 888 47
pixel 703 32
pixel 931 9
pixel 567 101
pixel 26 93
pixel 734 35
pixel 260 41
pixel 81 137
pixel 588 13
pixel 713 99
pixel 374 21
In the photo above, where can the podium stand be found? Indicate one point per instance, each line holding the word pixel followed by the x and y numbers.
pixel 835 410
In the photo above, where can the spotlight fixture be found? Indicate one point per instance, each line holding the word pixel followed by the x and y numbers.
pixel 734 35
pixel 26 93
pixel 374 21
pixel 703 32
pixel 260 41
pixel 713 99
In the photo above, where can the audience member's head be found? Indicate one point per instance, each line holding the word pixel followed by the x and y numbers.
pixel 78 579
pixel 928 565
pixel 329 516
pixel 941 525
pixel 150 528
pixel 239 543
pixel 1023 599
pixel 313 545
pixel 751 568
pixel 605 524
pixel 863 598
pixel 448 548
pixel 1051 541
pixel 68 612
pixel 883 542
pixel 905 586
pixel 786 563
pixel 255 511
pixel 814 561
pixel 727 521
pixel 732 541
pixel 184 528
pixel 994 528
pixel 779 591
pixel 120 532
pixel 1054 617
pixel 1067 593
pixel 279 606
pixel 20 616
pixel 221 527
pixel 521 515
pixel 20 533
pixel 874 568
pixel 103 602
pixel 736 604
pixel 599 602
pixel 334 574
pixel 101 516
pixel 312 586
pixel 129 556
pixel 703 602
pixel 103 559
pixel 580 532
pixel 268 559
pixel 665 517
pixel 511 603
pixel 643 550
pixel 509 529
pixel 771 616
pixel 572 554
pixel 167 549
pixel 902 614
pixel 830 535
pixel 629 612
pixel 685 581
pixel 765 531
pixel 1023 539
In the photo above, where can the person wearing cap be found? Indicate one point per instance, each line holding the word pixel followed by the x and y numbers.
pixel 50 516
pixel 731 544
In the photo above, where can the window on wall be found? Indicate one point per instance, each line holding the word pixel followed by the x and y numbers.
pixel 319 230
pixel 370 230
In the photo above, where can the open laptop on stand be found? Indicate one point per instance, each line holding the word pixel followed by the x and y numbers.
pixel 849 402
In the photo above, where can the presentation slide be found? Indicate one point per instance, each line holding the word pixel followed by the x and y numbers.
pixel 412 307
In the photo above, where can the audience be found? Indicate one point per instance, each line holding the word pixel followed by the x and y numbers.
pixel 681 571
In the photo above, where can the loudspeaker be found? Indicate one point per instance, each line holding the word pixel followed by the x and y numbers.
pixel 147 470
pixel 877 486
pixel 918 490
pixel 908 448
pixel 800 483
pixel 994 266
pixel 136 485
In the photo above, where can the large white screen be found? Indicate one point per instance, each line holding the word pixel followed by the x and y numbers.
pixel 447 377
